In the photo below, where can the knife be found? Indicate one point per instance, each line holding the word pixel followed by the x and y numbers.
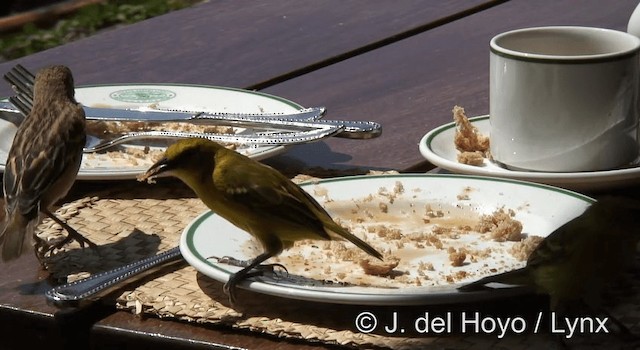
pixel 296 120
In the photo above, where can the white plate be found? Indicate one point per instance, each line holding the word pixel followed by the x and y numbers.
pixel 438 148
pixel 172 96
pixel 210 235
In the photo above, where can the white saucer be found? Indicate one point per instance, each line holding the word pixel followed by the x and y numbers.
pixel 438 148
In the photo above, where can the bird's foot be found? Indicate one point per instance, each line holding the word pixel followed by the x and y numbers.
pixel 229 260
pixel 47 248
pixel 229 288
pixel 250 268
pixel 72 235
pixel 82 240
pixel 256 271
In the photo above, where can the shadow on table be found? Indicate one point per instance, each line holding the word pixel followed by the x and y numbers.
pixel 393 321
pixel 78 262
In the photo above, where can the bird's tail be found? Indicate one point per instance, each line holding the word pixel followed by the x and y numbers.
pixel 343 233
pixel 516 277
pixel 15 237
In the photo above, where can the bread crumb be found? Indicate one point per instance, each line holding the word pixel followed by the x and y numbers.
pixel 434 241
pixel 384 231
pixel 101 128
pixel 457 258
pixel 464 196
pixel 501 225
pixel 475 158
pixel 427 266
pixel 136 155
pixel 145 177
pixel 379 268
pixel 472 145
pixel 523 249
pixel 320 191
pixel 430 213
pixel 450 249
pixel 460 275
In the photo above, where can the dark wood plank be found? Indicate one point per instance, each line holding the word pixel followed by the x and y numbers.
pixel 412 85
pixel 239 44
pixel 125 331
pixel 28 322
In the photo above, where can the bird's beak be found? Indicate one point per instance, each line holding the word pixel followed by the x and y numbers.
pixel 159 169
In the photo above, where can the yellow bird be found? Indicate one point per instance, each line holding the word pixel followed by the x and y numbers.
pixel 253 196
pixel 576 262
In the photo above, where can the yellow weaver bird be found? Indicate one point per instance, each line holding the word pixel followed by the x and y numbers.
pixel 254 197
pixel 43 162
pixel 576 262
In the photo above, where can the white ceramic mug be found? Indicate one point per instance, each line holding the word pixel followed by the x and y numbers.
pixel 564 99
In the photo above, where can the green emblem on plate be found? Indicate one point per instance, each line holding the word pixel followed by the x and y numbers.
pixel 142 95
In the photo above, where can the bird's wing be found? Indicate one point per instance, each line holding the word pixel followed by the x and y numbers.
pixel 269 192
pixel 37 158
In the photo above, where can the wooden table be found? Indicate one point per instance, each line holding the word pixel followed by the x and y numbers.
pixel 403 64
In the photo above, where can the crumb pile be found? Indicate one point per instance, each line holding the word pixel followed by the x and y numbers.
pixel 424 244
pixel 145 153
pixel 473 147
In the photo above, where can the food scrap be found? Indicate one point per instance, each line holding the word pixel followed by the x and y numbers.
pixel 457 257
pixel 145 177
pixel 472 145
pixel 100 128
pixel 523 249
pixel 379 268
pixel 140 155
pixel 434 243
pixel 501 225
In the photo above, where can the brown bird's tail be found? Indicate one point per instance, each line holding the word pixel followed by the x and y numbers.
pixel 516 277
pixel 15 237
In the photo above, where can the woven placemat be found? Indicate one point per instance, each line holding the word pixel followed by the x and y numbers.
pixel 133 221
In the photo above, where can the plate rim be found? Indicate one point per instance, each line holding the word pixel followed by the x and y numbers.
pixel 200 263
pixel 202 86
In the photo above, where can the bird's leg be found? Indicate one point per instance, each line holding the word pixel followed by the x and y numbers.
pixel 72 234
pixel 229 288
pixel 39 246
pixel 229 260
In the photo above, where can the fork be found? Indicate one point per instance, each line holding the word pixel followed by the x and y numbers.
pixel 22 82
pixel 96 144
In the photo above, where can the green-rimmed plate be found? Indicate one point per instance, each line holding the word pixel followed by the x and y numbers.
pixel 405 208
pixel 134 159
pixel 438 148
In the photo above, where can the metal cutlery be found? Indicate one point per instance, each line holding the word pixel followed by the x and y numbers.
pixel 305 119
pixel 87 290
pixel 96 144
